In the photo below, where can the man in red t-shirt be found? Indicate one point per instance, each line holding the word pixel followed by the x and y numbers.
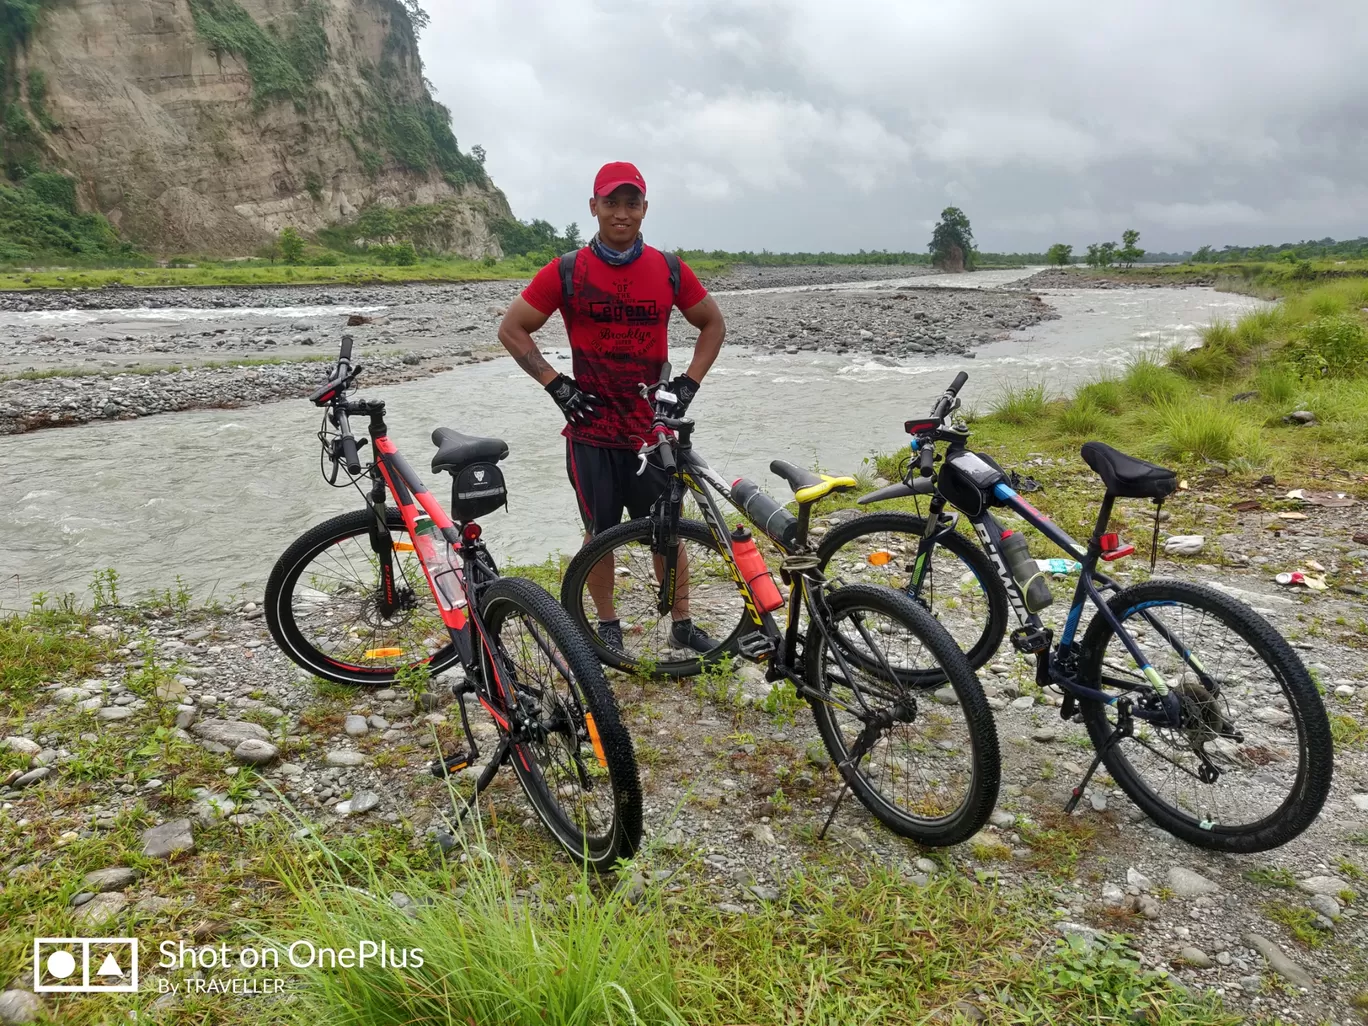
pixel 616 318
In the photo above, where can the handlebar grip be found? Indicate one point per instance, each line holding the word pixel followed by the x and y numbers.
pixel 665 372
pixel 346 351
pixel 667 458
pixel 958 383
pixel 349 455
pixel 926 458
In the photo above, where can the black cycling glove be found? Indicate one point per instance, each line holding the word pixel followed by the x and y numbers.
pixel 579 406
pixel 684 388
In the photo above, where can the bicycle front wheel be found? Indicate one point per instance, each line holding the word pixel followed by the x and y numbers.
pixel 618 572
pixel 571 752
pixel 923 759
pixel 323 605
pixel 1250 765
pixel 959 587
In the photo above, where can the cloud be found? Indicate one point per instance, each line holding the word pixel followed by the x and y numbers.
pixel 809 124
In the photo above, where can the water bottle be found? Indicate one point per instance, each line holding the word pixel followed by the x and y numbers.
pixel 767 513
pixel 1024 569
pixel 442 561
pixel 753 570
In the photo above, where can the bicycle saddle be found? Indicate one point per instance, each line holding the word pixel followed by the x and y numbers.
pixel 456 451
pixel 807 486
pixel 1127 477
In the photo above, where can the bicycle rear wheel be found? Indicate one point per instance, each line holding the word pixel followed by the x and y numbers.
pixel 323 605
pixel 1249 710
pixel 715 604
pixel 960 588
pixel 929 767
pixel 571 752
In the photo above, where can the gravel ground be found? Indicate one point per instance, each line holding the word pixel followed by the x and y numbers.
pixel 752 276
pixel 134 365
pixel 1081 278
pixel 711 763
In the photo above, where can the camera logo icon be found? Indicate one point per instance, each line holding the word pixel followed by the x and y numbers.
pixel 85 965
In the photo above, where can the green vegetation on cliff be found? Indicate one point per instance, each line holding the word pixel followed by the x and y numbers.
pixel 282 66
pixel 39 221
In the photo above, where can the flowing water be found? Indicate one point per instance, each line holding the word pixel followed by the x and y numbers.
pixel 215 496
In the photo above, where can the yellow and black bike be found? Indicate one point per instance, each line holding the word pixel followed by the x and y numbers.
pixel 899 708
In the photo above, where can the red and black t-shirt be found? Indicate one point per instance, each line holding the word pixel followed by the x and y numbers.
pixel 617 322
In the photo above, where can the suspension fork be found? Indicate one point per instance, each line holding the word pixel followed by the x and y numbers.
pixel 925 545
pixel 387 599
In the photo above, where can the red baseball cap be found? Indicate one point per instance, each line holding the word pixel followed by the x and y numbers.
pixel 619 172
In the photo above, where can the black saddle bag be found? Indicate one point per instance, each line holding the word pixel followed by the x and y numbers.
pixel 477 490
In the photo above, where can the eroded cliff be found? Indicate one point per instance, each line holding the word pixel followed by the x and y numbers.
pixel 208 125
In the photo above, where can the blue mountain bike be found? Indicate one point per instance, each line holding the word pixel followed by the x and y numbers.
pixel 1200 710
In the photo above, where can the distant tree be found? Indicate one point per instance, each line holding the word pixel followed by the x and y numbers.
pixel 291 245
pixel 415 12
pixel 1106 254
pixel 952 241
pixel 1093 259
pixel 1202 256
pixel 478 152
pixel 1060 254
pixel 572 236
pixel 1129 252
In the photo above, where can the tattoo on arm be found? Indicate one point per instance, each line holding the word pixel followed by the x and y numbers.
pixel 534 363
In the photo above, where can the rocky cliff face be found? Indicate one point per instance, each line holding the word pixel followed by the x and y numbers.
pixel 208 125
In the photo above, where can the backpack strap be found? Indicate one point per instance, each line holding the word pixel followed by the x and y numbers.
pixel 566 265
pixel 672 262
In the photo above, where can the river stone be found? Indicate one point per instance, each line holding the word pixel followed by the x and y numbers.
pixel 356 725
pixel 946 696
pixel 33 776
pixel 255 753
pixel 99 909
pixel 1184 544
pixel 161 842
pixel 1360 801
pixel 1023 703
pixel 229 733
pixel 116 878
pixel 22 745
pixel 364 801
pixel 114 712
pixel 1326 905
pixel 346 758
pixel 1331 885
pixel 1278 960
pixel 1195 957
pixel 1138 879
pixel 1187 884
pixel 19 1006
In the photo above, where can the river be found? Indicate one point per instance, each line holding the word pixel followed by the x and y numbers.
pixel 216 495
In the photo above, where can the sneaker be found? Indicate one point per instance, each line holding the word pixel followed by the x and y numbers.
pixel 684 634
pixel 610 633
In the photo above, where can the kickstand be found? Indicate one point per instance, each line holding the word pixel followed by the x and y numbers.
pixel 496 760
pixel 863 744
pixel 1122 729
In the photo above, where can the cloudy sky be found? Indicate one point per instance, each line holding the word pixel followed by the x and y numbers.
pixel 848 124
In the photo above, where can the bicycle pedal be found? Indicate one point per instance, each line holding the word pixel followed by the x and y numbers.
pixel 755 645
pixel 442 768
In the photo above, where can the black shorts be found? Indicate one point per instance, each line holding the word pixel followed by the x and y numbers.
pixel 606 483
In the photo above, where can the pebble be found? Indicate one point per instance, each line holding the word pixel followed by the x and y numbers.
pixel 356 725
pixel 1195 957
pixel 1345 691
pixel 22 745
pixel 765 892
pixel 1001 820
pixel 361 802
pixel 763 834
pixel 1360 801
pixel 927 866
pixel 161 842
pixel 1098 800
pixel 946 696
pixel 346 758
pixel 1326 905
pixel 33 776
pixel 99 910
pixel 1189 884
pixel 378 722
pixel 116 878
pixel 19 1006
pixel 1023 703
pixel 255 753
pixel 1331 885
pixel 229 733
pixel 1278 959
pixel 1138 879
pixel 1273 717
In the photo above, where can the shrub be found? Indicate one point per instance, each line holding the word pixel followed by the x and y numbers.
pixel 1020 404
pixel 314 186
pixel 1276 384
pixel 1335 347
pixel 291 245
pixel 53 188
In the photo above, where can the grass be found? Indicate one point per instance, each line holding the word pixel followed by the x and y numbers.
pixel 1223 403
pixel 150 369
pixel 1299 920
pixel 45 645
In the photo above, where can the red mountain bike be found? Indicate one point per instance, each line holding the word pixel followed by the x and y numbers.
pixel 379 594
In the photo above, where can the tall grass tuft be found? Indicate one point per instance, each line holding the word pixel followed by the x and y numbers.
pixel 1081 419
pixel 1276 384
pixel 1021 404
pixel 1151 382
pixel 1332 347
pixel 1106 393
pixel 1205 431
pixel 488 956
